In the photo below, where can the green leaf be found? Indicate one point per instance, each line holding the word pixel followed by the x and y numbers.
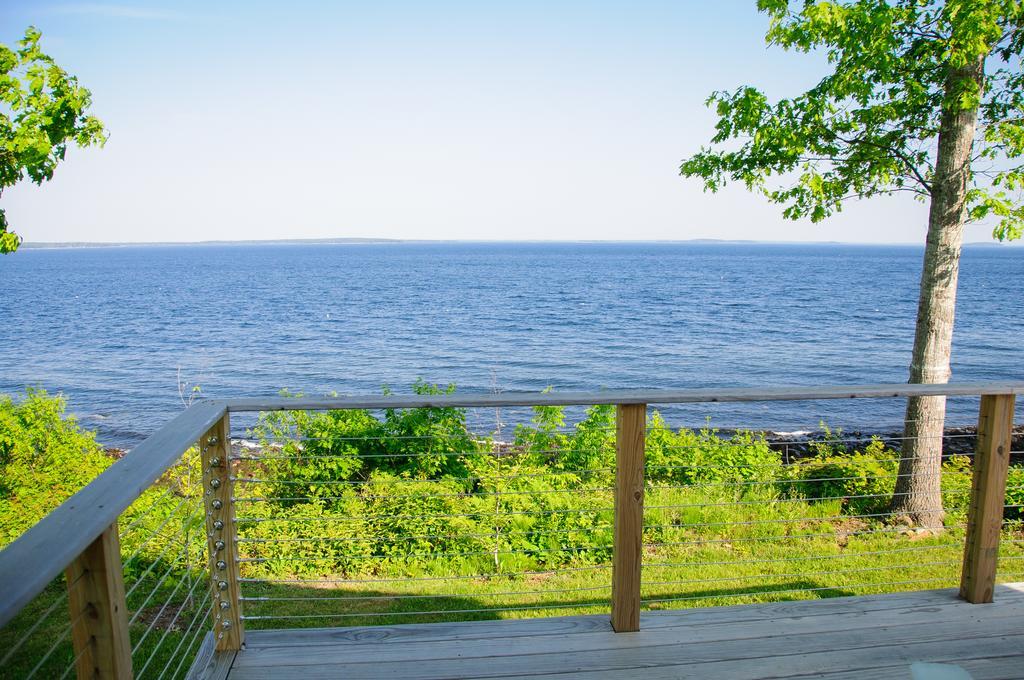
pixel 49 109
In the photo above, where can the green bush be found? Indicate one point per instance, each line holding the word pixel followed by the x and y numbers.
pixel 542 515
pixel 543 438
pixel 1015 494
pixel 956 489
pixel 864 480
pixel 590 445
pixel 305 540
pixel 307 453
pixel 45 457
pixel 427 442
pixel 412 520
pixel 695 457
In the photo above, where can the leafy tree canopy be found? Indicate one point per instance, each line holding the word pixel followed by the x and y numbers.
pixel 871 126
pixel 42 108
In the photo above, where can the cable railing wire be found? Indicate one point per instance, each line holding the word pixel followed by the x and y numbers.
pixel 425 454
pixel 793 499
pixel 795 480
pixel 202 616
pixel 335 518
pixel 835 572
pixel 785 520
pixel 462 494
pixel 800 558
pixel 412 480
pixel 171 568
pixel 155 533
pixel 779 465
pixel 431 596
pixel 417 537
pixel 714 596
pixel 435 556
pixel 835 518
pixel 167 629
pixel 74 662
pixel 138 519
pixel 571 606
pixel 61 599
pixel 417 579
pixel 186 525
pixel 66 631
pixel 194 582
pixel 784 537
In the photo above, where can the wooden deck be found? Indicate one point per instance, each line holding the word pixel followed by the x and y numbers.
pixel 879 636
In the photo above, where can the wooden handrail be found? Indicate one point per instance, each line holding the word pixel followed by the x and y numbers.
pixel 703 395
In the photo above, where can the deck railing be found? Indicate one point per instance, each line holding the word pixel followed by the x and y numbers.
pixel 170 553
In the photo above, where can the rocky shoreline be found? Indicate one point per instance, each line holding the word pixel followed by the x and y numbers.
pixel 955 441
pixel 795 446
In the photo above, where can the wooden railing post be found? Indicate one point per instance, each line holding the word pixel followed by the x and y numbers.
pixel 988 493
pixel 630 431
pixel 99 616
pixel 215 448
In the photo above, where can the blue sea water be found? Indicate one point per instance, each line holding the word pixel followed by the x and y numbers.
pixel 111 327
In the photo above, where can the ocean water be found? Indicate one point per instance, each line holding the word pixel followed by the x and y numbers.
pixel 111 328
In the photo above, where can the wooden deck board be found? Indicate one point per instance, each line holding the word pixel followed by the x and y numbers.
pixel 875 636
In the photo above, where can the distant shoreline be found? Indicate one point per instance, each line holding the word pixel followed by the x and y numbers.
pixel 43 245
pixel 64 245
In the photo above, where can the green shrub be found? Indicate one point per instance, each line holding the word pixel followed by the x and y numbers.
pixel 829 443
pixel 695 457
pixel 45 457
pixel 306 540
pixel 1015 493
pixel 956 489
pixel 592 443
pixel 426 442
pixel 413 520
pixel 543 438
pixel 537 515
pixel 865 480
pixel 308 452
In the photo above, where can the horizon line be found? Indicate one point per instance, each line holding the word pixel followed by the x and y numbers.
pixel 45 245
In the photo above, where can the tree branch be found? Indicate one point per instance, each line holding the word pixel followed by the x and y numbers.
pixel 916 174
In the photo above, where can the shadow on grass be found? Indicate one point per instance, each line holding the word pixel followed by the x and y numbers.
pixel 294 606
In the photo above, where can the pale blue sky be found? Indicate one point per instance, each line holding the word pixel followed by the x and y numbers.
pixel 453 120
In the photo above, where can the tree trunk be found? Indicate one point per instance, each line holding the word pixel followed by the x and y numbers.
pixel 918 494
